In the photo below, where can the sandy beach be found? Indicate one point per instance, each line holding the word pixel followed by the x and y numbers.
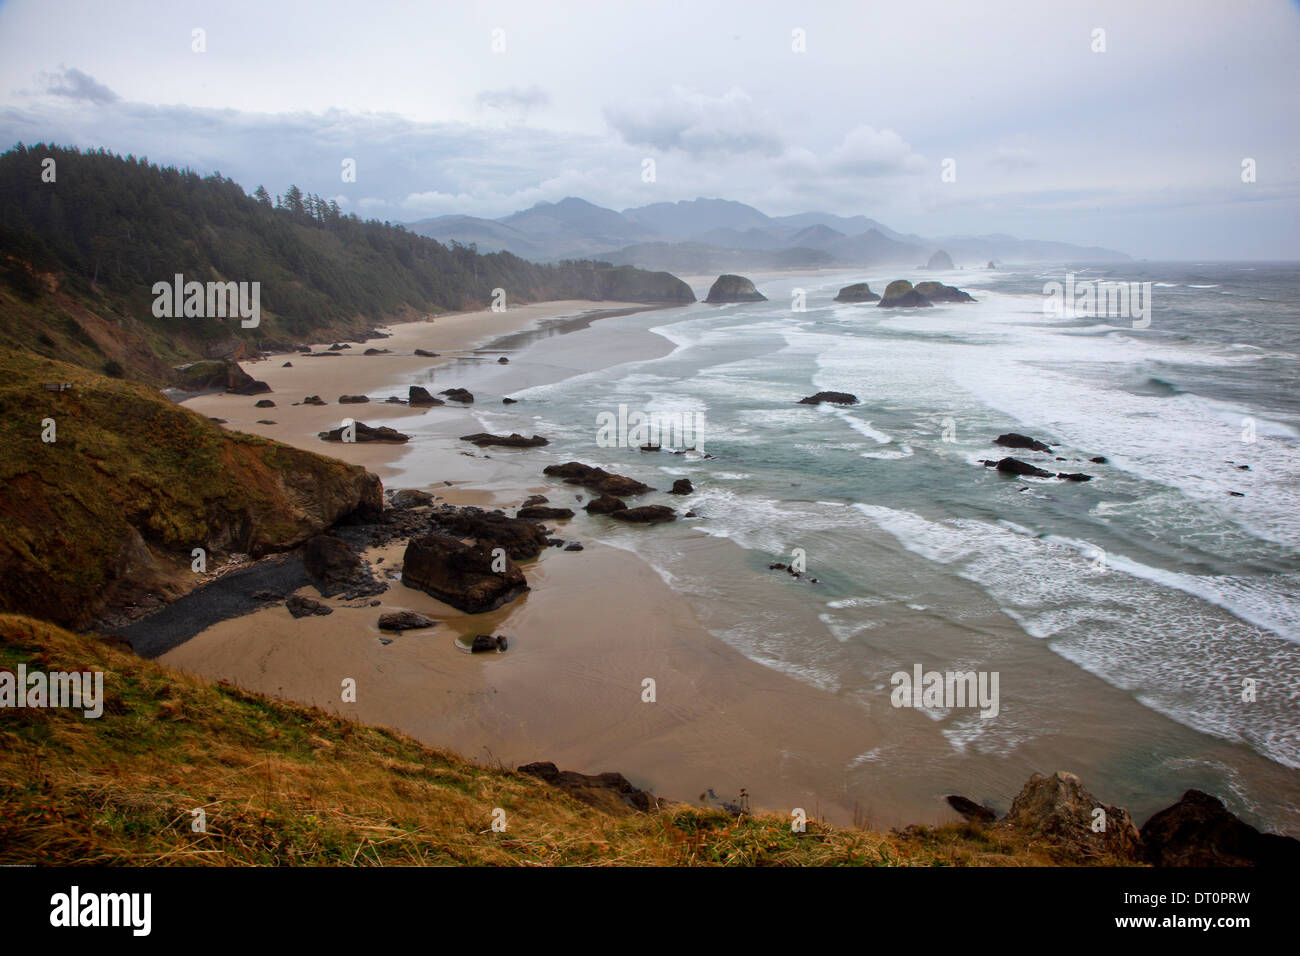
pixel 596 625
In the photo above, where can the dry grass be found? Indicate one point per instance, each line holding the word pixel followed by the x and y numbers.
pixel 283 784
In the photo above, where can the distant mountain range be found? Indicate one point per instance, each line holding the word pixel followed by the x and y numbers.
pixel 705 235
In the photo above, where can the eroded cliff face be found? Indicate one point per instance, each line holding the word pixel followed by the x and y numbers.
pixel 108 487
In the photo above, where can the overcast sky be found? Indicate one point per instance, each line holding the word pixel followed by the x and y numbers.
pixel 1137 148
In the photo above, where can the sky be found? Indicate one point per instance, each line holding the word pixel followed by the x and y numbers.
pixel 1132 138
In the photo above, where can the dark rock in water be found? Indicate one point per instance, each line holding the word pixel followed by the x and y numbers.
pixel 508 401
pixel 646 514
pixel 520 537
pixel 513 440
pixel 597 479
pixel 460 574
pixel 605 504
pixel 938 292
pixel 1243 467
pixel 543 513
pixel 1059 810
pixel 419 395
pixel 332 564
pixel 1016 440
pixel 423 353
pixel 990 265
pixel 364 432
pixel 610 792
pixel 858 292
pixel 573 546
pixel 287 365
pixel 404 621
pixel 1077 476
pixel 375 352
pixel 303 606
pixel 1014 466
pixel 534 500
pixel 252 388
pixel 1236 494
pixel 314 400
pixel 503 361
pixel 264 403
pixel 353 399
pixel 899 294
pixel 459 395
pixel 1099 460
pixel 1199 830
pixel 733 288
pixel 682 486
pixel 832 398
pixel 410 498
pixel 487 642
pixel 971 810
pixel 939 261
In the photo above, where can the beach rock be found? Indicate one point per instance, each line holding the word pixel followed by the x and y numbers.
pixel 858 292
pixel 1014 466
pixel 300 606
pixel 938 292
pixel 1016 440
pixel 542 513
pixel 252 388
pixel 419 395
pixel 520 537
pixel 487 642
pixel 353 399
pixel 211 374
pixel 534 500
pixel 337 347
pixel 646 514
pixel 513 440
pixel 264 403
pixel 1199 830
pixel 940 261
pixel 682 486
pixel 219 421
pixel 1059 810
pixel 394 400
pixel 287 365
pixel 404 621
pixel 733 288
pixel 332 564
pixel 832 398
pixel 899 294
pixel 410 498
pixel 424 353
pixel 1099 460
pixel 1076 476
pixel 365 433
pixel 573 546
pixel 459 395
pixel 314 400
pixel 972 811
pixel 605 504
pixel 460 574
pixel 610 792
pixel 375 352
pixel 266 421
pixel 597 479
pixel 509 401
pixel 503 361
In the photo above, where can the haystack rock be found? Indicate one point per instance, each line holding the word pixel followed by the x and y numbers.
pixel 858 292
pixel 939 261
pixel 732 288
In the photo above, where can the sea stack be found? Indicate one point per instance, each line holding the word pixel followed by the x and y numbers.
pixel 899 294
pixel 858 292
pixel 729 288
pixel 939 261
pixel 938 292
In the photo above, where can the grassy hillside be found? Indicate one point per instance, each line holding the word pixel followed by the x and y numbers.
pixel 133 483
pixel 286 784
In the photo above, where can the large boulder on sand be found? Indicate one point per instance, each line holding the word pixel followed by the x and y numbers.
pixel 858 292
pixel 1058 810
pixel 461 574
pixel 363 432
pixel 1199 830
pixel 732 288
pixel 520 537
pixel 419 395
pixel 332 564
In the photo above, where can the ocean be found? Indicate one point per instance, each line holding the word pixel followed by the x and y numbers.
pixel 1145 624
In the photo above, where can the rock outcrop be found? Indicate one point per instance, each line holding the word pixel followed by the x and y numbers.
pixel 520 537
pixel 1014 466
pixel 353 399
pixel 646 514
pixel 544 513
pixel 1199 830
pixel 610 792
pixel 332 564
pixel 404 621
pixel 460 574
pixel 462 395
pixel 899 294
pixel 1059 810
pixel 1016 440
pixel 940 261
pixel 419 395
pixel 733 288
pixel 513 440
pixel 682 486
pixel 605 504
pixel 938 292
pixel 858 292
pixel 831 398
pixel 363 433
pixel 597 479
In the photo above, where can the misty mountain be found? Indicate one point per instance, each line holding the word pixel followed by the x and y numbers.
pixel 700 235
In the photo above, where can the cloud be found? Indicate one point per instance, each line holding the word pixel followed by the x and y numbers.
pixel 697 123
pixel 867 151
pixel 76 85
pixel 514 98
